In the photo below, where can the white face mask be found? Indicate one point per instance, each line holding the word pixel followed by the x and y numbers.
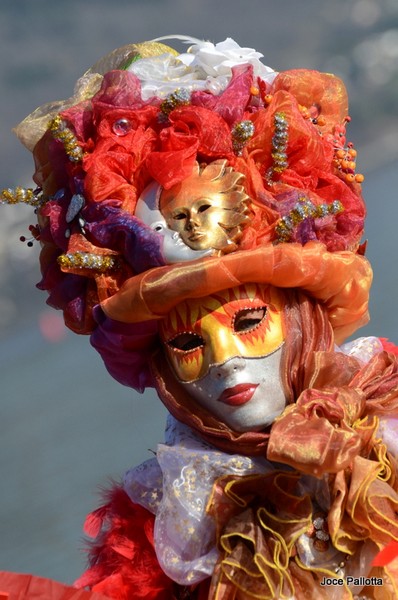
pixel 225 349
pixel 244 393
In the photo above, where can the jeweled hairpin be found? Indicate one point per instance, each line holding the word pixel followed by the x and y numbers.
pixel 302 210
pixel 17 195
pixel 87 260
pixel 64 134
pixel 241 134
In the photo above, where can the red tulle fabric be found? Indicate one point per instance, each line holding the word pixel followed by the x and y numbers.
pixel 16 586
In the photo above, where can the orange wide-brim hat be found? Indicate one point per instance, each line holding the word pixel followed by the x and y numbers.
pixel 340 280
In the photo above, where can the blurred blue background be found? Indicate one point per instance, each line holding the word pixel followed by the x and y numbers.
pixel 65 427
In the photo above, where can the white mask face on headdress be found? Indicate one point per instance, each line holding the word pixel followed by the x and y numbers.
pixel 225 349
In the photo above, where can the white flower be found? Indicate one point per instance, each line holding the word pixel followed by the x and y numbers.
pixel 161 75
pixel 205 66
pixel 218 59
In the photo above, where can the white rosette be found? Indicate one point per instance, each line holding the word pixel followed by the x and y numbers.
pixel 205 66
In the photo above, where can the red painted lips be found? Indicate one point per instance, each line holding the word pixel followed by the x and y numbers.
pixel 238 395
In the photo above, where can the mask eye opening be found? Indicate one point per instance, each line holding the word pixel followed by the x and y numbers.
pixel 188 341
pixel 179 216
pixel 203 207
pixel 249 318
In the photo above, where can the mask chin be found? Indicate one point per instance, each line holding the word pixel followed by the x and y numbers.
pixel 244 393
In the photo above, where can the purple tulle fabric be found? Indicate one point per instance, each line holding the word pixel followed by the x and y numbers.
pixel 111 227
pixel 125 349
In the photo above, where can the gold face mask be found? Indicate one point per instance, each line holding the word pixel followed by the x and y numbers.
pixel 245 321
pixel 208 209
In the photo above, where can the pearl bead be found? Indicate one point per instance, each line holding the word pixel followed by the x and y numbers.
pixel 121 127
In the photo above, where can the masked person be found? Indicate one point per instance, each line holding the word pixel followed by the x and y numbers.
pixel 201 218
pixel 230 363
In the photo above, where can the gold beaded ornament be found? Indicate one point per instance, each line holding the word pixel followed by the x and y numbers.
pixel 241 134
pixel 64 134
pixel 279 146
pixel 304 209
pixel 87 260
pixel 179 97
pixel 20 195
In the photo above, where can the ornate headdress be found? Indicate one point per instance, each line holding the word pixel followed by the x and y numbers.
pixel 144 126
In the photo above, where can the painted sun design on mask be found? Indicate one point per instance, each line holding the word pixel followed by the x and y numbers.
pixel 248 311
pixel 243 321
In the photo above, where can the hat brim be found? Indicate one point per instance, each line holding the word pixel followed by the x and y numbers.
pixel 340 280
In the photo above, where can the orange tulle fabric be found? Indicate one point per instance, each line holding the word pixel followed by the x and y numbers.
pixel 318 432
pixel 329 426
pixel 334 430
pixel 256 540
pixel 341 279
pixel 324 91
pixel 261 518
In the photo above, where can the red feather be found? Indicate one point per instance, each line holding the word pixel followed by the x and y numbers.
pixel 94 521
pixel 123 563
